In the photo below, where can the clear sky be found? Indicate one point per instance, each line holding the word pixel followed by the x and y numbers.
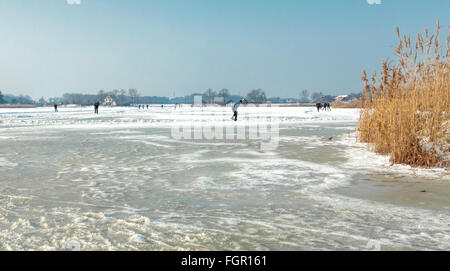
pixel 48 47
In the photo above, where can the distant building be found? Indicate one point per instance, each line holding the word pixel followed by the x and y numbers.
pixel 340 98
pixel 109 102
pixel 348 98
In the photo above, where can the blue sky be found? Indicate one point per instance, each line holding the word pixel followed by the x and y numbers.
pixel 49 47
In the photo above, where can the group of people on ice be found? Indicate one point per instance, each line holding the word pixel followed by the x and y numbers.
pixel 96 106
pixel 143 107
pixel 323 106
pixel 162 106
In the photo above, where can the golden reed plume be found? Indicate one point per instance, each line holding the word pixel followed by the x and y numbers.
pixel 406 112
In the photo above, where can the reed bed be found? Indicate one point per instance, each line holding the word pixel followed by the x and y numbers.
pixel 406 110
pixel 354 104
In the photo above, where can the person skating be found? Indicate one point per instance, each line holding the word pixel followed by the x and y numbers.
pixel 56 107
pixel 96 106
pixel 318 105
pixel 235 110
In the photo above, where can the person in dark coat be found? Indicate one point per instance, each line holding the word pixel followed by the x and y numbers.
pixel 319 106
pixel 96 106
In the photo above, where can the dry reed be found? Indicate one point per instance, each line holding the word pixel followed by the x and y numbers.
pixel 354 104
pixel 406 112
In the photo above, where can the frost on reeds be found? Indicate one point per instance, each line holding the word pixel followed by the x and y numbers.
pixel 406 112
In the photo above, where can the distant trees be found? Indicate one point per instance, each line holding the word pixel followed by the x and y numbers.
pixel 124 97
pixel 328 98
pixel 209 95
pixel 257 96
pixel 316 96
pixel 73 98
pixel 319 97
pixel 77 99
pixel 225 93
pixel 134 94
pixel 274 100
pixel 304 96
pixel 42 101
pixel 66 97
pixel 21 99
pixel 1 98
pixel 121 97
pixel 54 100
pixel 101 95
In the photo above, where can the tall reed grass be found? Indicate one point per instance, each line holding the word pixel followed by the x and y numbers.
pixel 406 111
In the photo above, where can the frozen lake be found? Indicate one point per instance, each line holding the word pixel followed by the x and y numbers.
pixel 122 181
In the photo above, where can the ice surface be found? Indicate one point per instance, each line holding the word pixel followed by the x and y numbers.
pixel 120 180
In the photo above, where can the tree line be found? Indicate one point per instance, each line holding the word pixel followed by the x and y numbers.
pixel 13 99
pixel 132 96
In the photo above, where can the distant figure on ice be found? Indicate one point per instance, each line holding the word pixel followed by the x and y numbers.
pixel 147 107
pixel 162 106
pixel 235 110
pixel 319 106
pixel 327 107
pixel 96 106
pixel 139 107
pixel 56 107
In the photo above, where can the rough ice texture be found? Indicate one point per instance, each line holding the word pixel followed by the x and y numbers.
pixel 119 180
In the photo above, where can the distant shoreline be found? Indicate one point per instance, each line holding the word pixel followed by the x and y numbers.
pixel 18 106
pixel 335 105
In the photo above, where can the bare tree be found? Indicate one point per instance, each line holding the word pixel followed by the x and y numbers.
pixel 225 93
pixel 257 96
pixel 77 98
pixel 304 96
pixel 134 94
pixel 210 94
pixel 316 97
pixel 122 97
pixel 101 95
